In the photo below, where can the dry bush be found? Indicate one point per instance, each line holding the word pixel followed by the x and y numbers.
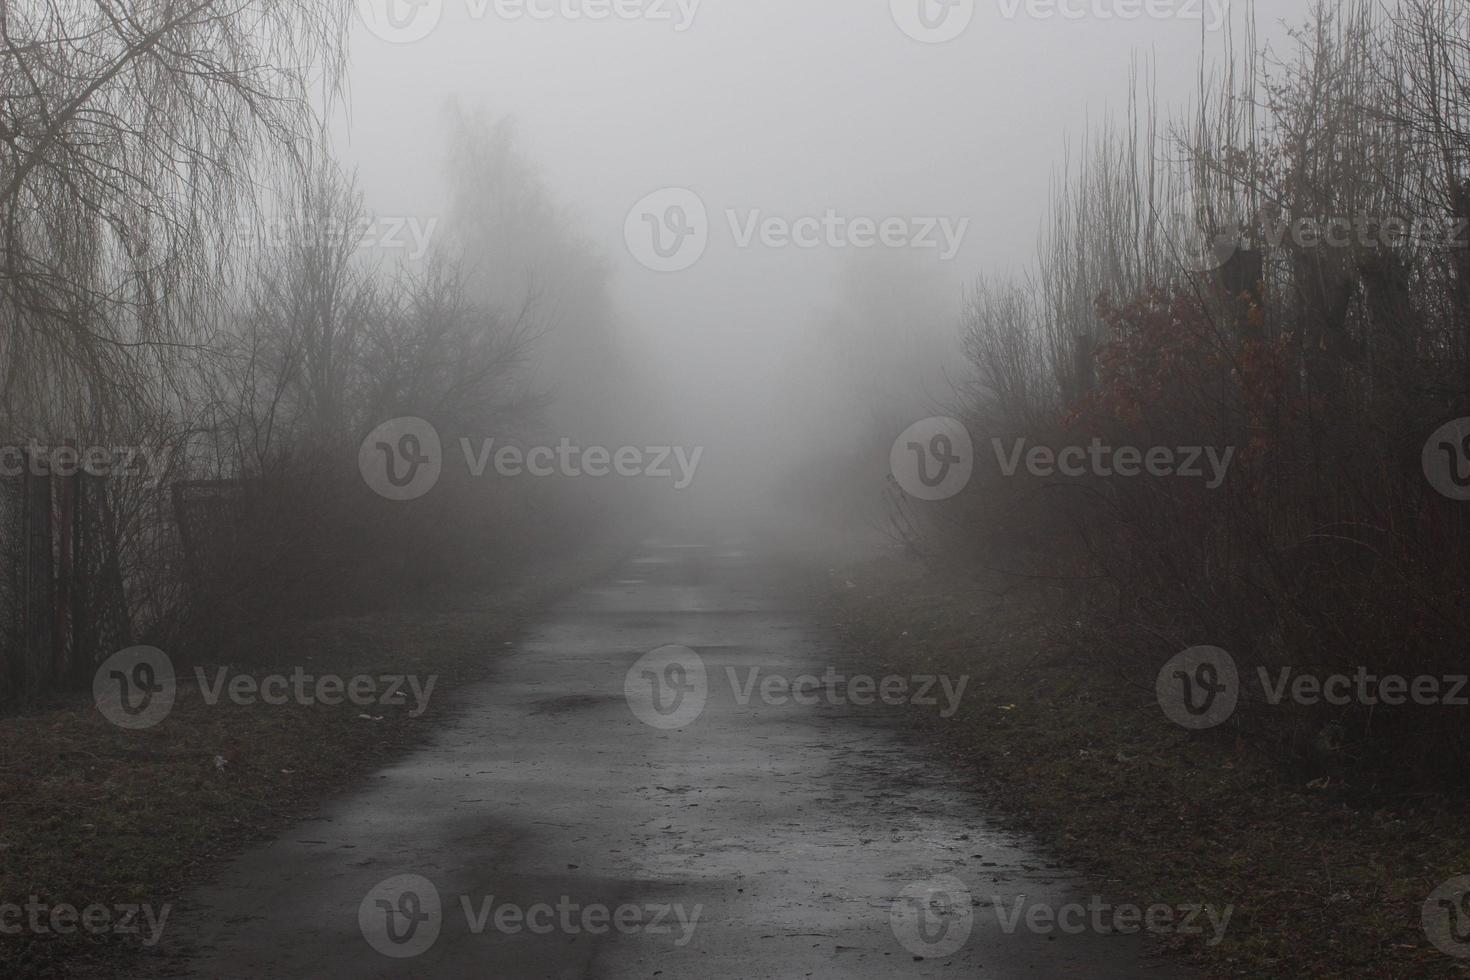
pixel 1323 366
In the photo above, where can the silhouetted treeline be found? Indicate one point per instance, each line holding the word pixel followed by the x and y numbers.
pixel 1317 326
pixel 187 290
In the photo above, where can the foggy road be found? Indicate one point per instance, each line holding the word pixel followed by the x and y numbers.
pixel 550 832
pixel 1053 417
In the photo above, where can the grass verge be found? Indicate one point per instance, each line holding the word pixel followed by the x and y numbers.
pixel 93 815
pixel 1069 750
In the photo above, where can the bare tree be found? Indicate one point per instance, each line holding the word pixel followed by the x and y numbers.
pixel 132 132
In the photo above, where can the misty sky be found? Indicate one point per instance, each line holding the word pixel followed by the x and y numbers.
pixel 789 107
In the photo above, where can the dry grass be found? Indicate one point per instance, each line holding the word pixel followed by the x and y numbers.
pixel 1069 749
pixel 90 813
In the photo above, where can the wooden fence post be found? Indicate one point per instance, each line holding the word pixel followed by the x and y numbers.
pixel 62 643
pixel 37 600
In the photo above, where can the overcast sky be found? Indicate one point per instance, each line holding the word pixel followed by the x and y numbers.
pixel 788 108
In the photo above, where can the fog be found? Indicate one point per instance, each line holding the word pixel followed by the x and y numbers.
pixel 734 488
pixel 767 108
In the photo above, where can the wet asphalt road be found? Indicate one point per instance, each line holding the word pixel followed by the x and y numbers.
pixel 548 832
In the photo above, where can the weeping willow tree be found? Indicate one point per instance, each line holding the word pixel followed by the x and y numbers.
pixel 133 135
